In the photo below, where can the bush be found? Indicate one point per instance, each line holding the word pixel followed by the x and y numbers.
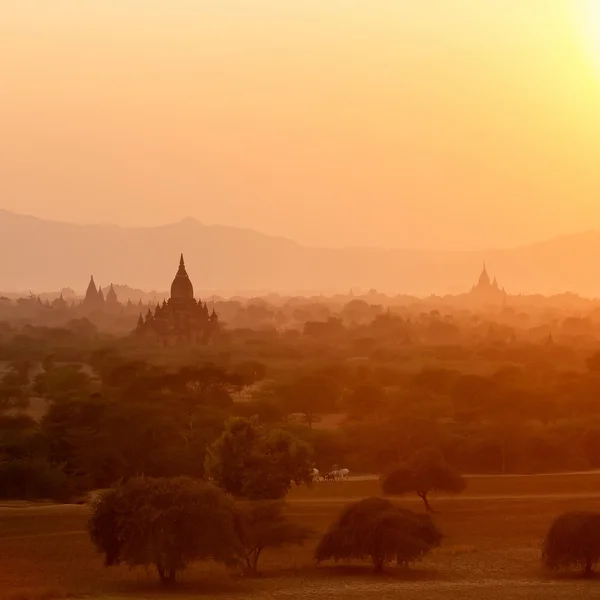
pixel 374 528
pixel 265 526
pixel 426 472
pixel 167 523
pixel 573 541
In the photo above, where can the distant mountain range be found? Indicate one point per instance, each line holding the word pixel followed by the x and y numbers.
pixel 41 255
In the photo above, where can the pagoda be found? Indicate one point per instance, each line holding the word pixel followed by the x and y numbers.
pixel 181 319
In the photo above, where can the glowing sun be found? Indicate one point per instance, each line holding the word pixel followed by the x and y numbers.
pixel 592 18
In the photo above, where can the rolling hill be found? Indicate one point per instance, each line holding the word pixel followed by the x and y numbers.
pixel 41 255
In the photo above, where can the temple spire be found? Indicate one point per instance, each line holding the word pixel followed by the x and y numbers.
pixel 182 270
pixel 484 278
pixel 182 288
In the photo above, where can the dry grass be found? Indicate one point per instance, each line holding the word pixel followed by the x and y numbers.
pixel 491 551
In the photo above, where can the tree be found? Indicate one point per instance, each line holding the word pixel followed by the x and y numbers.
pixel 591 446
pixel 249 461
pixel 376 529
pixel 573 541
pixel 311 395
pixel 425 472
pixel 366 399
pixel 251 372
pixel 13 386
pixel 167 523
pixel 593 363
pixel 58 382
pixel 265 526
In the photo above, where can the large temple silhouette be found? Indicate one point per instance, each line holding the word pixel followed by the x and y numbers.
pixel 181 318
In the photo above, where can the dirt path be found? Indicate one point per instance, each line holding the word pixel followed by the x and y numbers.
pixel 43 535
pixel 461 497
pixel 374 477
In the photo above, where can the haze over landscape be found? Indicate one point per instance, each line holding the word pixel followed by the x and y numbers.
pixel 299 288
pixel 433 125
pixel 232 261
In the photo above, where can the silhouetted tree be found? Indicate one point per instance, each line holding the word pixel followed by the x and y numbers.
pixel 573 541
pixel 265 526
pixel 249 461
pixel 374 528
pixel 425 472
pixel 167 523
pixel 311 395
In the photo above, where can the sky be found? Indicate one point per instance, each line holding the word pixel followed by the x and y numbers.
pixel 429 124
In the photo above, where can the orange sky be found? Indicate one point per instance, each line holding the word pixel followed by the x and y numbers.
pixel 437 123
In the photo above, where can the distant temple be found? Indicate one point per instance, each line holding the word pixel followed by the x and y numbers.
pixel 94 297
pixel 181 318
pixel 487 290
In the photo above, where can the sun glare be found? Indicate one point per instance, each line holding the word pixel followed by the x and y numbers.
pixel 592 22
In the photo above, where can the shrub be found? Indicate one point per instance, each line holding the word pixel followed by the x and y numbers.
pixel 573 541
pixel 265 526
pixel 167 523
pixel 426 472
pixel 374 528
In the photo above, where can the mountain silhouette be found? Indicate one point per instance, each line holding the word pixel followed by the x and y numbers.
pixel 42 255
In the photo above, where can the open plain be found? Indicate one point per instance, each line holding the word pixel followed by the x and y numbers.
pixel 491 550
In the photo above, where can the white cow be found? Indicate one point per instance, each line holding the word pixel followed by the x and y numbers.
pixel 316 476
pixel 338 475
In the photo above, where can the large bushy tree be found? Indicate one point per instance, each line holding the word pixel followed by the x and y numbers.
pixel 573 540
pixel 375 529
pixel 427 471
pixel 167 523
pixel 252 462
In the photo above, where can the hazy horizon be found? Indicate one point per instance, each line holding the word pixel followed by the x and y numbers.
pixel 188 218
pixel 390 123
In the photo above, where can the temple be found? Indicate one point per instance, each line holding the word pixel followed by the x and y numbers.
pixel 486 289
pixel 180 319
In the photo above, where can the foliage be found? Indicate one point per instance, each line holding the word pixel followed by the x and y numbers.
pixel 374 528
pixel 33 479
pixel 309 395
pixel 366 399
pixel 265 526
pixel 167 523
pixel 62 381
pixel 395 385
pixel 425 472
pixel 591 445
pixel 573 541
pixel 255 463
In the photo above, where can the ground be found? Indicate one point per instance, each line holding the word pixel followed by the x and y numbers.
pixel 491 550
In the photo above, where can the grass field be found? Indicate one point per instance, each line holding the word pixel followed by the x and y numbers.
pixel 491 550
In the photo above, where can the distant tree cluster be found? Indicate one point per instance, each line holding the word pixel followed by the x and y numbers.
pixel 80 409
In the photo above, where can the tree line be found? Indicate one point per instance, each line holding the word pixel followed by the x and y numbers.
pixel 111 410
